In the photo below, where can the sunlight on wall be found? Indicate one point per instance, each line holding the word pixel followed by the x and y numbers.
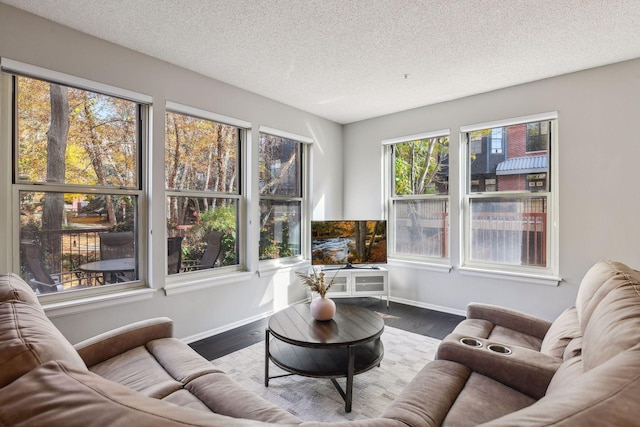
pixel 318 211
pixel 286 290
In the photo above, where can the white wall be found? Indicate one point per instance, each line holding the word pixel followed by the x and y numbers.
pixel 599 155
pixel 27 38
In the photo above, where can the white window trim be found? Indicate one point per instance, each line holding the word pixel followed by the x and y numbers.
pixel 417 136
pixel 195 283
pixel 268 267
pixel 552 115
pixel 17 67
pixel 95 302
pixel 175 107
pixel 287 135
pixel 546 276
pixel 7 250
pixel 428 263
pixel 70 301
pixel 179 283
pixel 419 264
pixel 530 278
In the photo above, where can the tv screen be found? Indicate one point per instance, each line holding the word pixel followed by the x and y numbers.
pixel 348 242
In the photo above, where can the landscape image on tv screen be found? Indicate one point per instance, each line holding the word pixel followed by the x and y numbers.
pixel 348 242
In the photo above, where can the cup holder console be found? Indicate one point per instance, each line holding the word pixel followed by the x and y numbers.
pixel 499 348
pixel 472 342
pixel 496 348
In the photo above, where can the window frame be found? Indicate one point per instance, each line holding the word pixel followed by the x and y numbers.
pixel 548 275
pixel 306 145
pixel 527 150
pixel 390 197
pixel 244 130
pixel 9 71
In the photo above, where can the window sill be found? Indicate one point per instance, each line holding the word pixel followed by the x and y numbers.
pixel 183 286
pixel 536 279
pixel 95 302
pixel 418 265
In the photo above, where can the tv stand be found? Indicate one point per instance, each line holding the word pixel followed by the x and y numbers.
pixel 358 281
pixel 351 266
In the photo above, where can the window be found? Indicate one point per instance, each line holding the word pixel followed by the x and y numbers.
pixel 419 195
pixel 497 140
pixel 281 186
pixel 508 202
pixel 475 143
pixel 77 180
pixel 538 136
pixel 203 188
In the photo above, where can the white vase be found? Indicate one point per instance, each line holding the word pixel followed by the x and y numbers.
pixel 323 308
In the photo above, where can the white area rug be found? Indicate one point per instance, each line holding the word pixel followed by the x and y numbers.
pixel 316 399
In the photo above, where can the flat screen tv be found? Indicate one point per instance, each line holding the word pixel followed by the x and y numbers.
pixel 348 243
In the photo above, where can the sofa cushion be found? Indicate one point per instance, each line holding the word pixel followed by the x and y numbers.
pixel 225 396
pixel 566 373
pixel 179 360
pixel 483 399
pixel 614 323
pixel 573 349
pixel 426 400
pixel 604 396
pixel 55 394
pixel 184 398
pixel 170 370
pixel 564 329
pixel 138 370
pixel 596 284
pixel 159 369
pixel 449 393
pixel 13 288
pixel 27 337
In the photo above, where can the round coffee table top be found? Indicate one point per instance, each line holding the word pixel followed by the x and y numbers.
pixel 351 325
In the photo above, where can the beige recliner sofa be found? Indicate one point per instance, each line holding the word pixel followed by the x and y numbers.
pixel 139 375
pixel 594 381
pixel 134 375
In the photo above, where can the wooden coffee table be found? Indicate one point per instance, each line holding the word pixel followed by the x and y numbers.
pixel 345 346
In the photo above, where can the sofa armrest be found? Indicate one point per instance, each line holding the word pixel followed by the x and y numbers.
pixel 117 341
pixel 508 318
pixel 525 370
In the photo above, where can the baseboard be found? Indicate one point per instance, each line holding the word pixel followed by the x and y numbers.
pixel 229 326
pixel 429 306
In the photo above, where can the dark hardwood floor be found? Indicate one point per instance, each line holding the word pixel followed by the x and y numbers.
pixel 413 319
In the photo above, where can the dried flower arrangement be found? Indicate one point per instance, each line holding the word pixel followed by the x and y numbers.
pixel 315 282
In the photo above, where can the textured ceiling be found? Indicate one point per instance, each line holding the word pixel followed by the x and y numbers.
pixel 346 60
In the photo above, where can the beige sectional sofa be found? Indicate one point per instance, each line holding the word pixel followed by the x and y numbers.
pixel 583 369
pixel 139 375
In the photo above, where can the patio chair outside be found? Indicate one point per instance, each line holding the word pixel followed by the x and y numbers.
pixel 211 253
pixel 174 254
pixel 118 244
pixel 41 280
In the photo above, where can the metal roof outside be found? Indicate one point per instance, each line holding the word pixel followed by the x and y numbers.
pixel 521 165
